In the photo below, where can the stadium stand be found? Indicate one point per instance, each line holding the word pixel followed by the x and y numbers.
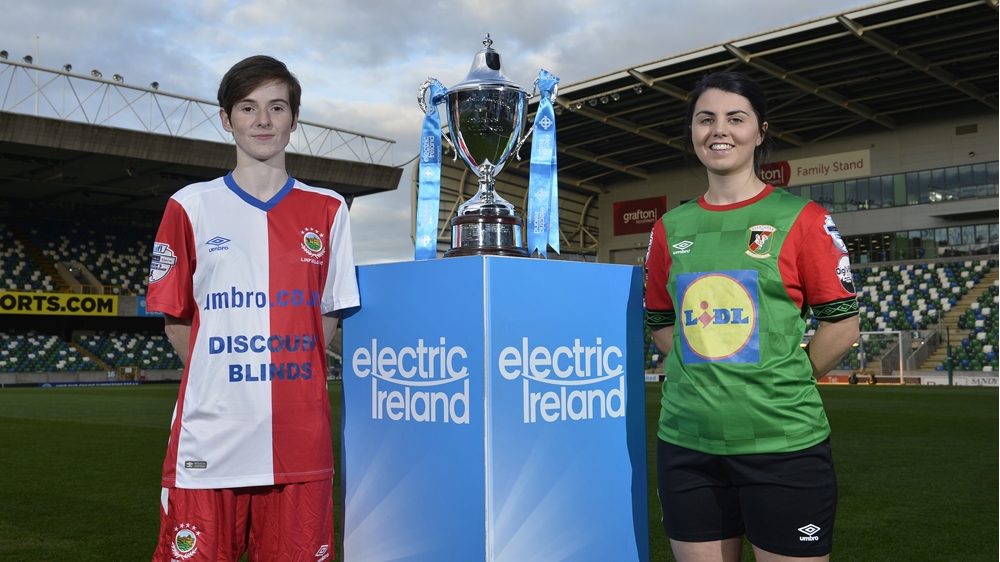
pixel 20 271
pixel 117 256
pixel 142 350
pixel 35 352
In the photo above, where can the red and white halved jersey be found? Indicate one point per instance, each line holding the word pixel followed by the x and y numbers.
pixel 255 278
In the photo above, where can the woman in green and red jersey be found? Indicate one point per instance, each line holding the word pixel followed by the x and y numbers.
pixel 744 442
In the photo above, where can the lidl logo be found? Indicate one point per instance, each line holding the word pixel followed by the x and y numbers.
pixel 718 317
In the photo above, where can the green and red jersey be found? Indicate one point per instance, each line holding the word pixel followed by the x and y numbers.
pixel 737 282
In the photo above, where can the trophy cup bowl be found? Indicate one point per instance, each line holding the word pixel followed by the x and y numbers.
pixel 486 119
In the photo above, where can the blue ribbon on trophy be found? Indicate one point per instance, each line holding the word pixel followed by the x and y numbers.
pixel 429 192
pixel 543 183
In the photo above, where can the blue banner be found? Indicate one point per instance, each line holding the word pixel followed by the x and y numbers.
pixel 141 309
pixel 543 184
pixel 429 193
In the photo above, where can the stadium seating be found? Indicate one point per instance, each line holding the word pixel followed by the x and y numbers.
pixel 34 352
pixel 117 255
pixel 143 350
pixel 920 297
pixel 912 297
pixel 18 270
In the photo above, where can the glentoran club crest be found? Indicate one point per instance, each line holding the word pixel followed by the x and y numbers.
pixel 759 244
pixel 185 543
pixel 312 243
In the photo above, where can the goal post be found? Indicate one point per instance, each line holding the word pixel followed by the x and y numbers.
pixel 878 354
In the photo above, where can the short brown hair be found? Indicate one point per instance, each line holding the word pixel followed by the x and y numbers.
pixel 253 72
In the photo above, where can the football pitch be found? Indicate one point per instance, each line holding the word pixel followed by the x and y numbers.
pixel 917 467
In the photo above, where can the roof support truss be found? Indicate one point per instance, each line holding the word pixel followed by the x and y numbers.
pixel 914 60
pixel 809 86
pixel 684 95
pixel 623 124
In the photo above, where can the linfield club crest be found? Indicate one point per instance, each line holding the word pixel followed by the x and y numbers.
pixel 312 243
pixel 185 543
pixel 759 243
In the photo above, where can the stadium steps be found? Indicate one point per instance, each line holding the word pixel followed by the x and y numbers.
pixel 104 366
pixel 951 321
pixel 47 267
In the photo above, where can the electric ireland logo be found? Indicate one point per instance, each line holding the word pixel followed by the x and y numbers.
pixel 422 383
pixel 569 382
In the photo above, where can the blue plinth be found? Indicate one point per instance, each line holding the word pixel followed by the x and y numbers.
pixel 494 410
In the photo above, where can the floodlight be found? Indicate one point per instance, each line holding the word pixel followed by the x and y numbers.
pixel 154 85
pixel 118 78
pixel 637 88
pixel 592 102
pixel 3 55
pixel 95 73
pixel 68 67
pixel 604 99
pixel 28 59
pixel 615 96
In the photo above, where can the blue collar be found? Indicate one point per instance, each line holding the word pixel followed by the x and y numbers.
pixel 262 205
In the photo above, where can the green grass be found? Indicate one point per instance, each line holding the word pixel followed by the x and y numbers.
pixel 917 466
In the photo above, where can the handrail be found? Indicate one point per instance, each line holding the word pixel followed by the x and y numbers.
pixel 30 89
pixel 81 289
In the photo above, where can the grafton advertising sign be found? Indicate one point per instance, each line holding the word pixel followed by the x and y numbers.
pixel 637 216
pixel 832 167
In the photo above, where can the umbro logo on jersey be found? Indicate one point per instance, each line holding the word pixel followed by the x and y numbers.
pixel 323 553
pixel 683 247
pixel 218 243
pixel 810 531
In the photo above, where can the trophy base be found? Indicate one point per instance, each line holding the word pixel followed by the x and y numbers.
pixel 486 235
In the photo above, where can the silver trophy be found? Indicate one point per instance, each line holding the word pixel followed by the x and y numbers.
pixel 486 116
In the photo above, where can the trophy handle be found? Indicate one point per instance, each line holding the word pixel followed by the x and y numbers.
pixel 422 102
pixel 517 151
pixel 422 94
pixel 555 90
pixel 447 139
pixel 552 98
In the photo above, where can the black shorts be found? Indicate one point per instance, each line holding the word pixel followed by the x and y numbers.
pixel 784 503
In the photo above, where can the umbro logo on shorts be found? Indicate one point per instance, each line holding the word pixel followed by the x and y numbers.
pixel 810 530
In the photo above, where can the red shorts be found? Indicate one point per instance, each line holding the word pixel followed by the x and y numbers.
pixel 292 522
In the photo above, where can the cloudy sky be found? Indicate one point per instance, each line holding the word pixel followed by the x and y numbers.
pixel 361 62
